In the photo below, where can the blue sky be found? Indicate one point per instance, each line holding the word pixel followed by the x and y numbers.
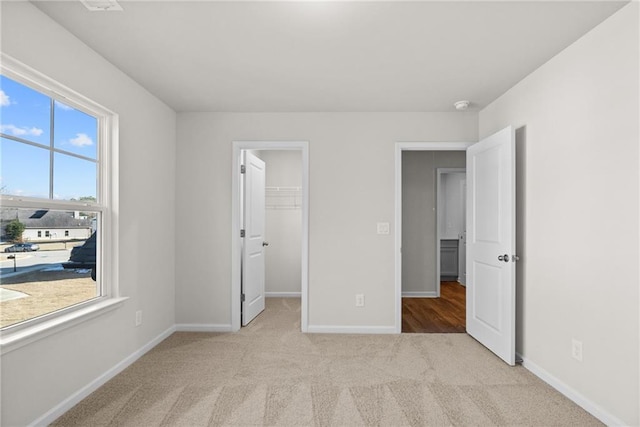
pixel 24 169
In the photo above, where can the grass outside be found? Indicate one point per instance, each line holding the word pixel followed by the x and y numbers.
pixel 47 292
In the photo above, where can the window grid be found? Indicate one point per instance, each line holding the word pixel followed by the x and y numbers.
pixel 46 147
pixel 53 150
pixel 51 154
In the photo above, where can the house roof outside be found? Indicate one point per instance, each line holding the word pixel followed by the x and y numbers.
pixel 43 218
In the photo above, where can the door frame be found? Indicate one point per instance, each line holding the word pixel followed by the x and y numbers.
pixel 236 241
pixel 400 148
pixel 439 216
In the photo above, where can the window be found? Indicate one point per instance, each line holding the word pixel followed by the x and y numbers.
pixel 56 159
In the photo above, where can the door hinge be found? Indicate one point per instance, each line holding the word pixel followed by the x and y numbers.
pixel 242 298
pixel 243 169
pixel 241 233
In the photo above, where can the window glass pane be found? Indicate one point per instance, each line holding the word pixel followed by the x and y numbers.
pixel 49 273
pixel 26 113
pixel 73 178
pixel 75 131
pixel 24 169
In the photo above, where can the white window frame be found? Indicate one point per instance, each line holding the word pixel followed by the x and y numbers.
pixel 14 337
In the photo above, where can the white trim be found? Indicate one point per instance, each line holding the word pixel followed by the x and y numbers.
pixel 110 177
pixel 400 147
pixel 429 294
pixel 35 203
pixel 594 409
pixel 13 340
pixel 238 146
pixel 58 410
pixel 433 146
pixel 283 294
pixel 28 76
pixel 203 327
pixel 322 329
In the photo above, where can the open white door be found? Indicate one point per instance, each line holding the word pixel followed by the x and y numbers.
pixel 253 267
pixel 491 310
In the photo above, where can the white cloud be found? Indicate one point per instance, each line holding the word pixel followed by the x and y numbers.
pixel 20 131
pixel 5 101
pixel 81 140
pixel 62 106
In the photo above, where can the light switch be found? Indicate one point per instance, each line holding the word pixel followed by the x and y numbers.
pixel 383 228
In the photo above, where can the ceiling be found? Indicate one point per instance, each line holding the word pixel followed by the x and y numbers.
pixel 329 56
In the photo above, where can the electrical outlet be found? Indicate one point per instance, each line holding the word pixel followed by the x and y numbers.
pixel 138 317
pixel 383 228
pixel 359 300
pixel 576 349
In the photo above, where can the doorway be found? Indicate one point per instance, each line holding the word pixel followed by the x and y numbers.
pixel 418 254
pixel 491 242
pixel 433 223
pixel 301 202
pixel 451 191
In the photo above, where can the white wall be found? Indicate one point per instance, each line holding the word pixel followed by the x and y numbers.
pixel 578 278
pixel 351 189
pixel 419 217
pixel 39 376
pixel 283 222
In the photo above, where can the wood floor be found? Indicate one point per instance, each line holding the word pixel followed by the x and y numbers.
pixel 446 314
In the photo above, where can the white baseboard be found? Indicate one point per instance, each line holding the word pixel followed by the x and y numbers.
pixel 429 294
pixel 586 404
pixel 58 410
pixel 319 329
pixel 282 294
pixel 202 327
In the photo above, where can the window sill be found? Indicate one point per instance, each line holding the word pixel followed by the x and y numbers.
pixel 10 341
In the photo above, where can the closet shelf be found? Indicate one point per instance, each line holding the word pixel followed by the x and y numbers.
pixel 283 197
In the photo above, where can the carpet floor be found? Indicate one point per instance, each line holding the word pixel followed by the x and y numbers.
pixel 270 373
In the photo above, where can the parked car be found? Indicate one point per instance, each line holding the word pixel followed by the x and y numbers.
pixel 22 247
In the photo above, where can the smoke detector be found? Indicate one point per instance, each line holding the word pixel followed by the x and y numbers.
pixel 461 105
pixel 102 5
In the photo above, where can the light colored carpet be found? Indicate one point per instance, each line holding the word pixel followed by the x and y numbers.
pixel 271 374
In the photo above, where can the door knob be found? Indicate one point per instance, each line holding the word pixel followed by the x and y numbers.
pixel 504 258
pixel 265 243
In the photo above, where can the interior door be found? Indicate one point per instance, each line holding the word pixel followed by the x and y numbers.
pixel 491 243
pixel 253 266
